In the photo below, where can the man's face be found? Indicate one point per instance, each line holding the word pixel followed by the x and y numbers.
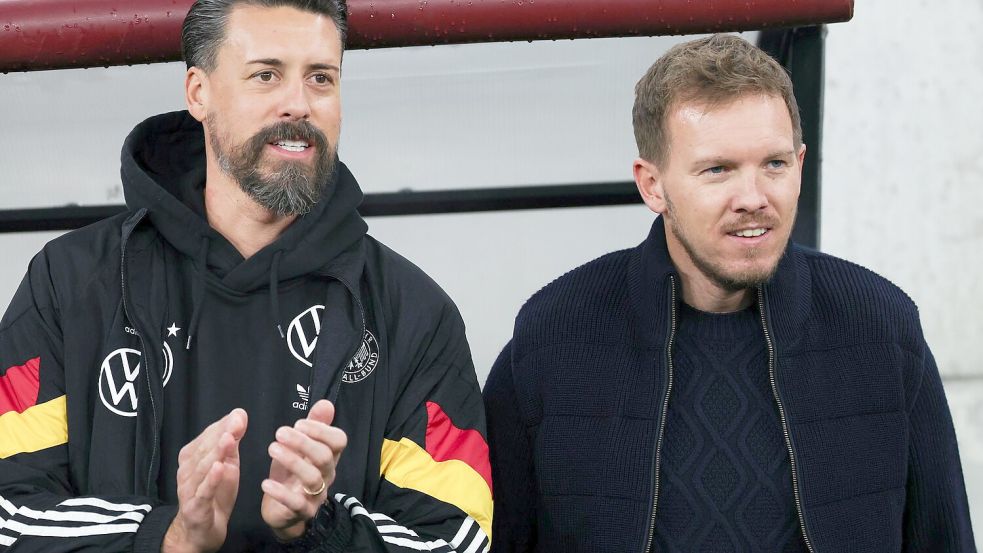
pixel 729 189
pixel 272 105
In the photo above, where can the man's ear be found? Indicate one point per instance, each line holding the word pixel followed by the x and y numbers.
pixel 196 92
pixel 649 181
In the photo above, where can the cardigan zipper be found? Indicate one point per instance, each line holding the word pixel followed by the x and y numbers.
pixel 657 462
pixel 781 413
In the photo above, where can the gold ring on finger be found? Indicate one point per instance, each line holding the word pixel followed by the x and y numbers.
pixel 318 491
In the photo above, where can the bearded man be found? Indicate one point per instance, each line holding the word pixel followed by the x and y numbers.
pixel 716 389
pixel 186 376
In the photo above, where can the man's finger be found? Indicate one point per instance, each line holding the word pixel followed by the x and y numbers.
pixel 331 436
pixel 319 453
pixel 236 422
pixel 210 483
pixel 322 411
pixel 300 468
pixel 225 451
pixel 293 500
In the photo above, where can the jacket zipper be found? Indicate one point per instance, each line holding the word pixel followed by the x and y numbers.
pixel 657 463
pixel 781 414
pixel 358 342
pixel 143 348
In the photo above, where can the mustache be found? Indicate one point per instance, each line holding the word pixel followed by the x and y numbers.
pixel 287 130
pixel 758 221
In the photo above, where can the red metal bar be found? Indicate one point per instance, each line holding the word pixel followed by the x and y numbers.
pixel 58 34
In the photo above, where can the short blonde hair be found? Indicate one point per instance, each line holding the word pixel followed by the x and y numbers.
pixel 713 71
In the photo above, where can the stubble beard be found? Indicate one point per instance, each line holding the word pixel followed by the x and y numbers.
pixel 733 281
pixel 284 188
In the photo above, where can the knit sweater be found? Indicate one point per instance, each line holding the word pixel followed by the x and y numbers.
pixel 726 472
pixel 576 404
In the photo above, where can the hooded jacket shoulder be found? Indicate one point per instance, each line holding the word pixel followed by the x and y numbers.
pixel 77 260
pixel 399 278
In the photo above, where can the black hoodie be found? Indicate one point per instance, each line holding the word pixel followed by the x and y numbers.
pixel 90 427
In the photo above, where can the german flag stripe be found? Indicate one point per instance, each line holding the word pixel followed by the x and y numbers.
pixel 19 386
pixel 409 466
pixel 38 427
pixel 447 442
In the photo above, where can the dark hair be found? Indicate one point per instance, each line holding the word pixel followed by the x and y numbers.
pixel 712 70
pixel 204 27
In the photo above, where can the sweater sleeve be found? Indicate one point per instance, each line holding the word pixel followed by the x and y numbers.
pixel 511 457
pixel 40 508
pixel 936 509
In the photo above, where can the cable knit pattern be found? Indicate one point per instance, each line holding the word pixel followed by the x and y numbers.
pixel 726 475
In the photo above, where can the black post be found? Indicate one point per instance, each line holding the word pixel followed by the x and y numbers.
pixel 802 52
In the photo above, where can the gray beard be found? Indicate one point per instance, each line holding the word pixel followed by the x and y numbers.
pixel 289 187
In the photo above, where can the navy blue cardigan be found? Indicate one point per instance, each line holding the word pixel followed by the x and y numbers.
pixel 575 406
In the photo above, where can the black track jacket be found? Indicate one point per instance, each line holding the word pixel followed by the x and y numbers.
pixel 92 364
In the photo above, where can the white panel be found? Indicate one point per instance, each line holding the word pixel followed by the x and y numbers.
pixel 494 114
pixel 62 131
pixel 490 263
pixel 902 163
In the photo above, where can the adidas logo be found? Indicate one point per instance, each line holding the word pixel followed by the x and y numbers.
pixel 305 395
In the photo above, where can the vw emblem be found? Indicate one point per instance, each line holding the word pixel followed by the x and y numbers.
pixel 302 334
pixel 118 379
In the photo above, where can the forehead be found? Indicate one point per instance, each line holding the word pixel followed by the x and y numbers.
pixel 741 126
pixel 285 33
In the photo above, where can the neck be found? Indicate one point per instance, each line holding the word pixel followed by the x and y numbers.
pixel 248 226
pixel 700 293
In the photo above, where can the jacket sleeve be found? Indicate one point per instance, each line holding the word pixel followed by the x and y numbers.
pixel 936 509
pixel 435 489
pixel 40 508
pixel 511 458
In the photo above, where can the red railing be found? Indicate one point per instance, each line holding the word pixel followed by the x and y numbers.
pixel 58 34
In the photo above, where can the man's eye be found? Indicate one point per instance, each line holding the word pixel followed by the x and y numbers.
pixel 321 78
pixel 718 170
pixel 265 76
pixel 776 164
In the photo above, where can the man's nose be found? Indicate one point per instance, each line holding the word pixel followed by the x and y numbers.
pixel 294 102
pixel 749 196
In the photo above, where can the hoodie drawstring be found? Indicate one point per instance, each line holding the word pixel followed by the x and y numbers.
pixel 275 292
pixel 198 292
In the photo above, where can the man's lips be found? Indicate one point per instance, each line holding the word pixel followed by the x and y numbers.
pixel 292 148
pixel 750 232
pixel 750 235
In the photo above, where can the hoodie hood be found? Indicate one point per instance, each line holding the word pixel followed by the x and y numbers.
pixel 163 171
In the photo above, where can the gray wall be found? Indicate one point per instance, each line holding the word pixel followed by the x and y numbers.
pixel 901 164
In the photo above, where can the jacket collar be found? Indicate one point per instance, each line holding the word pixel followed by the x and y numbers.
pixel 788 294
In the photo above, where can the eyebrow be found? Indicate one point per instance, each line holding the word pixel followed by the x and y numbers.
pixel 711 162
pixel 781 153
pixel 715 161
pixel 275 62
